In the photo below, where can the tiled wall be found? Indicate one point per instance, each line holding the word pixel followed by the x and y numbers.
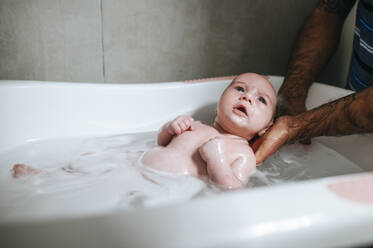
pixel 120 41
pixel 56 40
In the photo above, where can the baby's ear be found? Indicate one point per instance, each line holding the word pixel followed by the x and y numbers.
pixel 264 130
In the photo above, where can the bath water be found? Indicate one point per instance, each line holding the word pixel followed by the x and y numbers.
pixel 83 176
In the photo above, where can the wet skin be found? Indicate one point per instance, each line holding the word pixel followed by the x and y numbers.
pixel 221 151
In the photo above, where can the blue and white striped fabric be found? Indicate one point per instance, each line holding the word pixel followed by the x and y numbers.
pixel 361 67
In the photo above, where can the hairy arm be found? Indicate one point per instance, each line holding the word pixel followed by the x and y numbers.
pixel 348 115
pixel 317 41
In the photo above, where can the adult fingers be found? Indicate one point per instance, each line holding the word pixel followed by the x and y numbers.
pixel 305 141
pixel 290 106
pixel 268 146
pixel 277 135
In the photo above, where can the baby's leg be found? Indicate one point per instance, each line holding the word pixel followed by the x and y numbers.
pixel 219 169
pixel 20 170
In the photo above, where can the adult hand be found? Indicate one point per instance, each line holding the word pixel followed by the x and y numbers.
pixel 292 106
pixel 284 130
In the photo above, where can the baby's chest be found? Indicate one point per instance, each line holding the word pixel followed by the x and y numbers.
pixel 202 129
pixel 195 138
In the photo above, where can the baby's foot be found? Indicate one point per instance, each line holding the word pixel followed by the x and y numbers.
pixel 20 170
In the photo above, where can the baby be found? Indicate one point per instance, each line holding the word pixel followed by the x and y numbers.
pixel 221 151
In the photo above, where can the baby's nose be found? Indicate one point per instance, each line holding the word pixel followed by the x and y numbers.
pixel 247 98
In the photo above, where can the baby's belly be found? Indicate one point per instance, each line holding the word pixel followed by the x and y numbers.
pixel 175 161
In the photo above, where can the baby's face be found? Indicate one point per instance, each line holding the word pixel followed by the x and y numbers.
pixel 247 105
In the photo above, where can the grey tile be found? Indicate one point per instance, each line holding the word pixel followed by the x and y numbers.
pixel 57 40
pixel 167 40
pixel 152 40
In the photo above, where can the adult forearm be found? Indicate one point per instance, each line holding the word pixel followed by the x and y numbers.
pixel 348 115
pixel 316 43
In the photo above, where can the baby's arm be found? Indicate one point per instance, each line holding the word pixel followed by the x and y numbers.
pixel 229 163
pixel 175 127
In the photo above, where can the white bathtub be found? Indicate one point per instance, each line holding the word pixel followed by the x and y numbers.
pixel 326 212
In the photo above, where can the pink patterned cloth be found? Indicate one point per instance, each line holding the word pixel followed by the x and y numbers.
pixel 210 79
pixel 358 189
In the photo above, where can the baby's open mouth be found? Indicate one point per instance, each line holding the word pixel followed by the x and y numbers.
pixel 241 108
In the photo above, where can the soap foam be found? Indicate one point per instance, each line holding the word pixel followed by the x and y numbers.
pixel 82 176
pixel 88 175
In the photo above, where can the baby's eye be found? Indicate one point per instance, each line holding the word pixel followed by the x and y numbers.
pixel 240 89
pixel 262 100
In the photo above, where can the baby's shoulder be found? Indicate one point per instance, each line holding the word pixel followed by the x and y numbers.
pixel 238 144
pixel 239 148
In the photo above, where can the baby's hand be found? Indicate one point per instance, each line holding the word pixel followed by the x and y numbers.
pixel 180 125
pixel 213 149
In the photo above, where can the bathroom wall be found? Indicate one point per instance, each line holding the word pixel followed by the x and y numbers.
pixel 131 41
pixel 57 40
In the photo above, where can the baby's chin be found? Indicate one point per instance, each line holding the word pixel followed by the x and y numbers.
pixel 244 134
pixel 238 130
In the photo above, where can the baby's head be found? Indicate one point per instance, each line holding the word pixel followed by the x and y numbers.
pixel 247 106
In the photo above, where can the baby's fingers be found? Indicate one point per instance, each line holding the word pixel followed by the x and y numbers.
pixel 182 125
pixel 174 128
pixel 188 123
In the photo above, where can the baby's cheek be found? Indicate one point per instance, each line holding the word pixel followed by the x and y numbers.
pixel 262 119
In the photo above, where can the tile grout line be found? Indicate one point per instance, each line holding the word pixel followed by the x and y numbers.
pixel 102 43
